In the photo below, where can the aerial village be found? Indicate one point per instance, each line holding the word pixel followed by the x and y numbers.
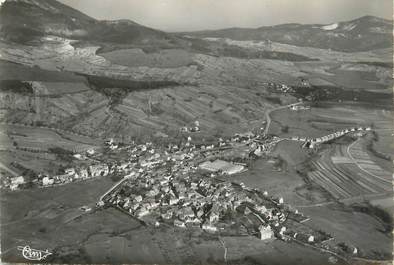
pixel 237 149
pixel 185 186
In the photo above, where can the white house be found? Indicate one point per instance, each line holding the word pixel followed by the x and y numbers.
pixel 83 173
pixel 99 170
pixel 265 232
pixel 90 151
pixel 179 223
pixel 18 180
pixel 69 171
pixel 46 181
pixel 209 228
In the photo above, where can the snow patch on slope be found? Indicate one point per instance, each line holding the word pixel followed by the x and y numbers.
pixel 330 27
pixel 349 27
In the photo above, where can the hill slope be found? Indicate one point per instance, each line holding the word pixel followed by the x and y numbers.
pixel 362 34
pixel 24 20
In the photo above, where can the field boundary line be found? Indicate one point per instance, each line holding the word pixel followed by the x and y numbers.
pixel 359 166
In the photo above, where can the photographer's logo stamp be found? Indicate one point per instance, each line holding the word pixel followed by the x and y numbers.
pixel 33 254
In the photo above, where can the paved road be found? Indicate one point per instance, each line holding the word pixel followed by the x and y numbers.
pixel 114 187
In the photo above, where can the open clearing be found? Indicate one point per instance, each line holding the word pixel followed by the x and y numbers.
pixel 278 182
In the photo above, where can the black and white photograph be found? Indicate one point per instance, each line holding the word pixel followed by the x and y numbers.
pixel 209 132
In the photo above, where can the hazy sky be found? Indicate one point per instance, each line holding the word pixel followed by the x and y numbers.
pixel 187 15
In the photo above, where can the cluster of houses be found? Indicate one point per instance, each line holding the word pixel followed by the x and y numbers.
pixel 180 197
pixel 145 156
pixel 13 183
pixel 75 174
pixel 178 186
pixel 181 186
pixel 69 175
pixel 282 88
pixel 299 107
pixel 312 142
pixel 111 144
pixel 194 128
pixel 174 187
pixel 203 201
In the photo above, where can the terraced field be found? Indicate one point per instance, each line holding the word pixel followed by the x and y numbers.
pixel 348 171
pixel 58 53
pixel 321 54
pixel 224 93
pixel 50 103
pixel 42 139
pixel 170 58
pixel 169 109
pixel 332 68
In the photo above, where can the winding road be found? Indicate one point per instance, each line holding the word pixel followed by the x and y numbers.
pixel 268 112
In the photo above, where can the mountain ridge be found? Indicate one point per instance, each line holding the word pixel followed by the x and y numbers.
pixel 24 21
pixel 360 34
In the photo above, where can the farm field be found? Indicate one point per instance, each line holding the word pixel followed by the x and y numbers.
pixel 144 113
pixel 274 252
pixel 291 152
pixel 311 123
pixel 347 172
pixel 77 107
pixel 280 182
pixel 27 214
pixel 337 219
pixel 58 53
pixel 225 94
pixel 346 225
pixel 42 139
pixel 333 68
pixel 5 141
pixel 57 105
pixel 382 146
pixel 347 177
pixel 169 58
pixel 328 118
pixel 386 204
pixel 38 162
pixel 58 88
pixel 358 154
pixel 322 54
pixel 18 71
pixel 32 147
